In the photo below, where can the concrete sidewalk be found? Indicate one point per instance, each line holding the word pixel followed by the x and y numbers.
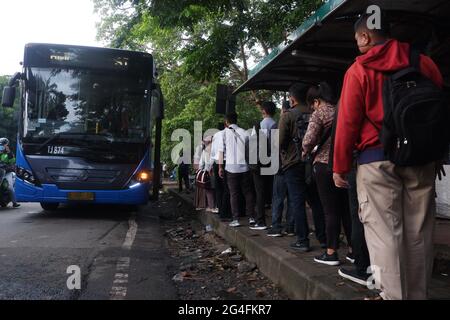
pixel 296 273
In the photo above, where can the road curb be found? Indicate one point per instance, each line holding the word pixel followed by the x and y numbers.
pixel 295 274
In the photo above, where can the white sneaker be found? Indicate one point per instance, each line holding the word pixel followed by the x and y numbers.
pixel 258 227
pixel 235 224
pixel 252 221
pixel 216 210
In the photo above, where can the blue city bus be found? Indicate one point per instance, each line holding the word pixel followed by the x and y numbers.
pixel 86 125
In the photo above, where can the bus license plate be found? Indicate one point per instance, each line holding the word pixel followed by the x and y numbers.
pixel 80 196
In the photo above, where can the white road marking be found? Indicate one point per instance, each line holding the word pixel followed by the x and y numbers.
pixel 131 234
pixel 119 289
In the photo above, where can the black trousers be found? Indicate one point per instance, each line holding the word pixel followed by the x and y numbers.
pixel 241 183
pixel 261 182
pixel 360 251
pixel 183 176
pixel 222 194
pixel 313 200
pixel 335 205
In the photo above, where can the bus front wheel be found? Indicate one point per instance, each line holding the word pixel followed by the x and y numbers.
pixel 49 206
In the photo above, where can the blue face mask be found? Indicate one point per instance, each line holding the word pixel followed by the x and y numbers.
pixel 2 148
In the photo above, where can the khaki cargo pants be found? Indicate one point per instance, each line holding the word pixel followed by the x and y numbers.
pixel 397 208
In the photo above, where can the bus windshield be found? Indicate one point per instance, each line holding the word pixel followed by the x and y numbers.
pixel 88 102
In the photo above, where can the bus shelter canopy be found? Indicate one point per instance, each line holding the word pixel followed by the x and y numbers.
pixel 323 47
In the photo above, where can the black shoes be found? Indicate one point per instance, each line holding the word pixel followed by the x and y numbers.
pixel 301 246
pixel 329 260
pixel 258 227
pixel 16 205
pixel 350 257
pixel 289 231
pixel 354 276
pixel 274 233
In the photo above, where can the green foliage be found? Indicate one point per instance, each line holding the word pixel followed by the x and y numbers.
pixel 8 116
pixel 199 43
pixel 211 35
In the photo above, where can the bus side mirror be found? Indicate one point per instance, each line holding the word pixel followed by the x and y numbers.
pixel 9 95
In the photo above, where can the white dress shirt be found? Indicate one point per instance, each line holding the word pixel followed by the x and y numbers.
pixel 218 140
pixel 234 149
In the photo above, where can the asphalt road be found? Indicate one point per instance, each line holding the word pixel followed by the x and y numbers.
pixel 120 254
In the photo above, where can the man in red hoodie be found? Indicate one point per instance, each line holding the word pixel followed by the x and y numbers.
pixel 397 204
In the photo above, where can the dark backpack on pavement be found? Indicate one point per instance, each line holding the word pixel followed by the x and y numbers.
pixel 416 117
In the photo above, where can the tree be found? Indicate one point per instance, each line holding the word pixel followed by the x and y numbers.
pixel 8 116
pixel 199 43
pixel 211 38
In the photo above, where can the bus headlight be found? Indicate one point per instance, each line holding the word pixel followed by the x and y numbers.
pixel 140 178
pixel 26 176
pixel 144 176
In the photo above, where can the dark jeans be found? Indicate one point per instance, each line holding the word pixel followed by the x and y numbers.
pixel 222 194
pixel 335 205
pixel 268 190
pixel 294 178
pixel 360 251
pixel 241 183
pixel 278 197
pixel 313 200
pixel 260 182
pixel 183 176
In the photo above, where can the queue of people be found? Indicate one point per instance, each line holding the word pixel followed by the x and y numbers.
pixel 334 157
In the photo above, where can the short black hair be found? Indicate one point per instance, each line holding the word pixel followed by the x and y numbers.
pixel 220 126
pixel 269 107
pixel 232 118
pixel 383 31
pixel 322 91
pixel 286 105
pixel 298 92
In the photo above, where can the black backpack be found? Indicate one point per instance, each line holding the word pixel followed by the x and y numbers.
pixel 416 117
pixel 301 123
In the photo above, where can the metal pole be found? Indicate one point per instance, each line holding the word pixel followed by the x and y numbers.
pixel 157 169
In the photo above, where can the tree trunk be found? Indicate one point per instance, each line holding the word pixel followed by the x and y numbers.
pixel 244 59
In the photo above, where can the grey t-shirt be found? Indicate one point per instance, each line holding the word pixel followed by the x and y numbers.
pixel 268 124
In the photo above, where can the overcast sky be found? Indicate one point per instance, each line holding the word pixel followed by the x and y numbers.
pixel 48 21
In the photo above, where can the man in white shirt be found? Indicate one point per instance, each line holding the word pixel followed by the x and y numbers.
pixel 220 184
pixel 237 171
pixel 263 183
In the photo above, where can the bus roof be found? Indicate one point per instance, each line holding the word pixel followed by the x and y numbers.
pixel 59 55
pixel 323 47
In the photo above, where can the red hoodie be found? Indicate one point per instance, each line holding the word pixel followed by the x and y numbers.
pixel 362 99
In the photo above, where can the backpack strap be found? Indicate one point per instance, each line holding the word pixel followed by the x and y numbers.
pixel 414 66
pixel 414 58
